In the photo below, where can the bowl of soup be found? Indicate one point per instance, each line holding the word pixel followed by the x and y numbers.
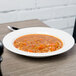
pixel 38 41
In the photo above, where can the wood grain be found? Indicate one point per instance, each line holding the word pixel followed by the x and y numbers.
pixel 17 65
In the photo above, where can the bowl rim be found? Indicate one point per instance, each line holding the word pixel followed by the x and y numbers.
pixel 37 54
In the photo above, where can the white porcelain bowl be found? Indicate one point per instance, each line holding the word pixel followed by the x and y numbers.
pixel 67 40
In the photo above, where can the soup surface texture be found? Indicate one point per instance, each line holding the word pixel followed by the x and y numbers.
pixel 38 43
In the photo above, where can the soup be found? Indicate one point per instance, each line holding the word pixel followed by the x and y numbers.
pixel 38 43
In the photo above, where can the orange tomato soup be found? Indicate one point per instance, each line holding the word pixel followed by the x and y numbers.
pixel 38 43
